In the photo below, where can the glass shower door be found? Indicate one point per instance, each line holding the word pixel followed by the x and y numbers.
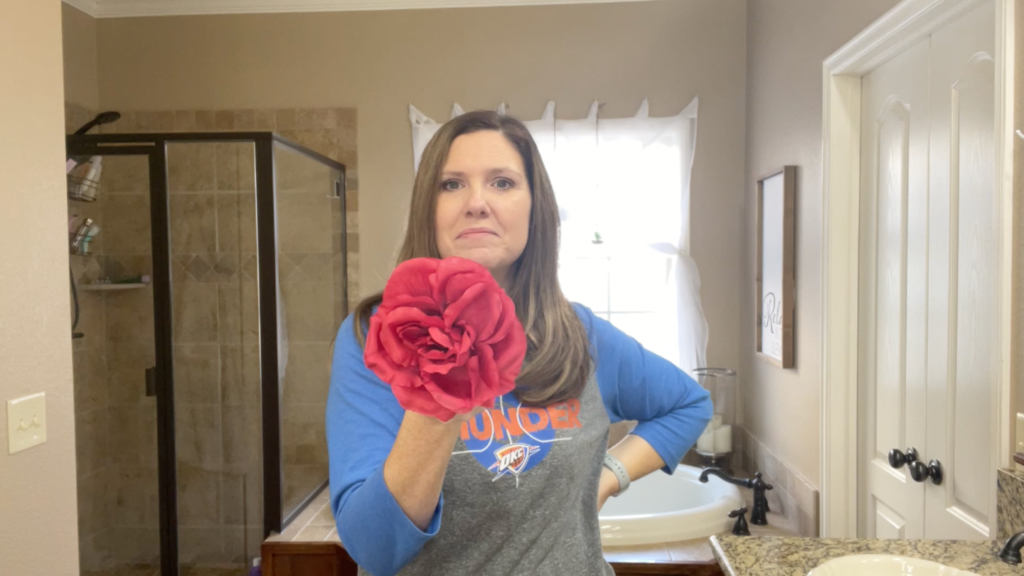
pixel 312 276
pixel 114 356
pixel 217 396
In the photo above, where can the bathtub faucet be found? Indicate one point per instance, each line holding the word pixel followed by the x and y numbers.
pixel 757 484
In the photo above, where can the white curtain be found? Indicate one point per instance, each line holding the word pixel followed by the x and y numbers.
pixel 623 191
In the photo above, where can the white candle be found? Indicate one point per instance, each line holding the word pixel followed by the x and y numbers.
pixel 716 422
pixel 723 439
pixel 706 442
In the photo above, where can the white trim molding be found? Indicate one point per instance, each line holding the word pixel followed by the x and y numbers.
pixel 134 8
pixel 903 26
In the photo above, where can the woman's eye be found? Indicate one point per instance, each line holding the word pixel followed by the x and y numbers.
pixel 450 185
pixel 505 184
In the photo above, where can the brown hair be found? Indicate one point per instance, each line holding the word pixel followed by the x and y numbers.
pixel 557 355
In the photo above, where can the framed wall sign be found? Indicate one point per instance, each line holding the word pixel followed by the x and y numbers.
pixel 776 217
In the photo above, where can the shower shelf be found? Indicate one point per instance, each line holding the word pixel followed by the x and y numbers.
pixel 110 287
pixel 79 198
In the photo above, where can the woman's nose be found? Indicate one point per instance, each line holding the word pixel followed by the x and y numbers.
pixel 476 204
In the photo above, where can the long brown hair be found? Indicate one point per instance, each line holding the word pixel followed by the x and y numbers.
pixel 558 359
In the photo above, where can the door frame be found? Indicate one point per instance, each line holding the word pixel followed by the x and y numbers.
pixel 900 28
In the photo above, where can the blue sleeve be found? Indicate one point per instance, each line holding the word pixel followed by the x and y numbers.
pixel 363 418
pixel 636 384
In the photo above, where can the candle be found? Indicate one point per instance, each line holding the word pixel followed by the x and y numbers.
pixel 716 422
pixel 706 442
pixel 723 439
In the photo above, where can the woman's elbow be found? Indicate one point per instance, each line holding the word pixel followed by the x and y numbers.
pixel 370 560
pixel 704 407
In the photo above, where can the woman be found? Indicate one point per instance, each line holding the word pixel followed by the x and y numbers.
pixel 516 489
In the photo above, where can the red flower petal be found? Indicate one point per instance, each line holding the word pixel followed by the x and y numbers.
pixel 421 401
pixel 399 319
pixel 477 308
pixel 440 337
pixel 411 279
pixel 454 390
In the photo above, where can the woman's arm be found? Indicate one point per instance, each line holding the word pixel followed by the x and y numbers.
pixel 636 384
pixel 386 466
pixel 639 458
pixel 415 468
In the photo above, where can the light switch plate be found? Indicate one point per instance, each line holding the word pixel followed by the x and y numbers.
pixel 26 422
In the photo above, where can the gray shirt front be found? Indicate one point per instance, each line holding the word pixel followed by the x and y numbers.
pixel 520 493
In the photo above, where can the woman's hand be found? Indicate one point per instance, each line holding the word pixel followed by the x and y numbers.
pixel 460 418
pixel 607 486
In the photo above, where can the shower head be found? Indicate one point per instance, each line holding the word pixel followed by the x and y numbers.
pixel 101 118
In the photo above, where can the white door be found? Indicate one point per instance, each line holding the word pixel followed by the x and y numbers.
pixel 963 278
pixel 894 207
pixel 928 366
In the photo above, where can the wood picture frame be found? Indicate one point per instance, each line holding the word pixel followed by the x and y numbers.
pixel 775 258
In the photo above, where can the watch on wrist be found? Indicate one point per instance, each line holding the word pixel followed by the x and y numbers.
pixel 612 463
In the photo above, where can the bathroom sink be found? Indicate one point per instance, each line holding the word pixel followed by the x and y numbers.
pixel 884 565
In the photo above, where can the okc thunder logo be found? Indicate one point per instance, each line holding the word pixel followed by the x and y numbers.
pixel 512 458
pixel 512 439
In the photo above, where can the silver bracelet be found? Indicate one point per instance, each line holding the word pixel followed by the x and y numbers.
pixel 612 463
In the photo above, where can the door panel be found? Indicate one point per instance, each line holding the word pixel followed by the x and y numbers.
pixel 888 523
pixel 893 288
pixel 964 277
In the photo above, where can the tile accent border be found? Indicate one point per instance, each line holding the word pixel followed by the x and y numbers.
pixel 792 495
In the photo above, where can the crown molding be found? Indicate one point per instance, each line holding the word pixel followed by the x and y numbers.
pixel 136 8
pixel 90 7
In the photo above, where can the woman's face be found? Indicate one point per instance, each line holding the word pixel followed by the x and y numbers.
pixel 483 206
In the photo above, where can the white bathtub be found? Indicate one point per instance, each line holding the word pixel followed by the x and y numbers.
pixel 662 508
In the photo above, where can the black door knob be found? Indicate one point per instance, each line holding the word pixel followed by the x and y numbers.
pixel 897 459
pixel 920 472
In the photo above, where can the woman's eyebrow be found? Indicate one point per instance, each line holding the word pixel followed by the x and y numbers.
pixel 491 172
pixel 509 170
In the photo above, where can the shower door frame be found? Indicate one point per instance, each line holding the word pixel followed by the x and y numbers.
pixel 154 147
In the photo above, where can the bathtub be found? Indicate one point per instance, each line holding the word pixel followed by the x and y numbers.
pixel 661 508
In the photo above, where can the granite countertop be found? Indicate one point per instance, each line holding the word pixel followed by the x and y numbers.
pixel 784 556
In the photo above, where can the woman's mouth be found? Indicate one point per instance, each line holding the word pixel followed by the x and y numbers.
pixel 476 233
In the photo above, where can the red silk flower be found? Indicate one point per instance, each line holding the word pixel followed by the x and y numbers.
pixel 446 337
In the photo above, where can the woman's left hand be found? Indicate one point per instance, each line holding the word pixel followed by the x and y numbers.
pixel 607 486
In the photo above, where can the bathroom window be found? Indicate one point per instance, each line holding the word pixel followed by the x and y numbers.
pixel 623 191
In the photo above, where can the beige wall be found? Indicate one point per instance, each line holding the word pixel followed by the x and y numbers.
pixel 380 62
pixel 38 535
pixel 787 42
pixel 80 73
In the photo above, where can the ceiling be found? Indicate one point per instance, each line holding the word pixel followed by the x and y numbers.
pixel 128 8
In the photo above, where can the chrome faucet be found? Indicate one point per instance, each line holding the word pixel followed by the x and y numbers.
pixel 757 484
pixel 1011 551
